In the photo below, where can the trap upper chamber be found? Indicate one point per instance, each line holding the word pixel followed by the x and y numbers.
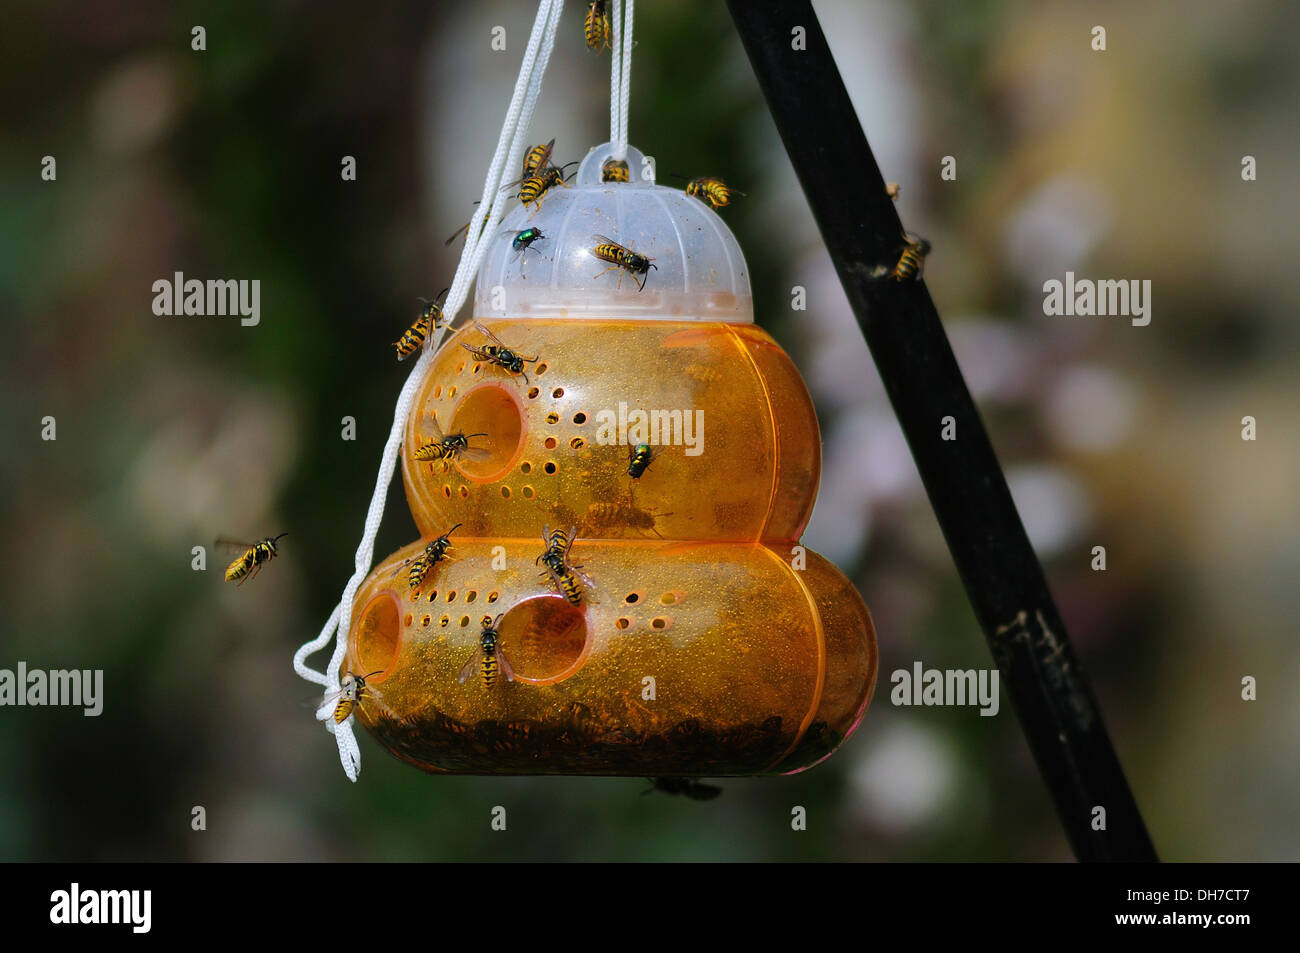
pixel 713 644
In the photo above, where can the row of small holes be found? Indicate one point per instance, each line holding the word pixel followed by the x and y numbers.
pixel 658 622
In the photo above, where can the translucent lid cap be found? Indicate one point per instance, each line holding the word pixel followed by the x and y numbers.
pixel 696 271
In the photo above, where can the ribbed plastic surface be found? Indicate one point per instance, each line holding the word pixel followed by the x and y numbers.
pixel 699 272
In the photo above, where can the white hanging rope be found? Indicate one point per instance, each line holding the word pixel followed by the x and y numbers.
pixel 506 158
pixel 620 77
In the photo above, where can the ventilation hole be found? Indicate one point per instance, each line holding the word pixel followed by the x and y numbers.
pixel 493 596
pixel 532 393
pixel 623 622
pixel 552 418
pixel 446 491
pixel 443 622
pixel 541 369
pixel 557 393
pixel 464 491
pixel 505 492
pixel 451 596
pixel 437 391
pixel 528 493
pixel 672 598
pixel 659 622
pixel 477 368
pixel 471 595
pixel 579 419
pixel 451 391
pixel 433 595
pixel 460 367
pixel 576 443
pixel 464 621
pixel 426 620
pixel 407 620
pixel 550 443
pixel 550 466
pixel 525 467
pixel 633 598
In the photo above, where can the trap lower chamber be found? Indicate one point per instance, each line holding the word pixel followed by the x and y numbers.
pixel 713 644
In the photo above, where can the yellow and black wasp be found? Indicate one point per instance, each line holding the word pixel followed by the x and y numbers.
pixel 534 186
pixel 489 656
pixel 353 691
pixel 639 459
pixel 429 319
pixel 911 263
pixel 537 159
pixel 498 354
pixel 713 192
pixel 688 787
pixel 433 554
pixel 614 170
pixel 623 258
pixel 450 447
pixel 254 556
pixel 566 576
pixel 598 30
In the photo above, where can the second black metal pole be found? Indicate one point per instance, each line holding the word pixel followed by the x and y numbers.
pixel 997 564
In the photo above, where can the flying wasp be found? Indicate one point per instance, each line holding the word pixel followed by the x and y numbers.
pixel 498 354
pixel 639 458
pixel 912 261
pixel 598 30
pixel 353 691
pixel 566 576
pixel 623 258
pixel 489 656
pixel 433 554
pixel 450 447
pixel 714 192
pixel 414 336
pixel 255 555
pixel 695 790
pixel 614 170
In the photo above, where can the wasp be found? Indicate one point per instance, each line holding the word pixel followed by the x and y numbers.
pixel 639 458
pixel 498 354
pixel 598 30
pixel 433 554
pixel 614 170
pixel 621 257
pixel 524 241
pixel 535 185
pixel 414 336
pixel 714 192
pixel 604 514
pixel 537 158
pixel 450 447
pixel 695 790
pixel 353 690
pixel 565 575
pixel 490 657
pixel 253 557
pixel 912 261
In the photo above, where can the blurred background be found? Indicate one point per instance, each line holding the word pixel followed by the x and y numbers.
pixel 225 163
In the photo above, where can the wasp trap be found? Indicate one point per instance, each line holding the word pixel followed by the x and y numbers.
pixel 610 467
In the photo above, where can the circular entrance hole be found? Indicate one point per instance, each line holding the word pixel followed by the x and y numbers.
pixel 545 639
pixel 376 637
pixel 492 410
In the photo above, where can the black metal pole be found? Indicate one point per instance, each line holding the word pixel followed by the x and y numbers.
pixel 1001 574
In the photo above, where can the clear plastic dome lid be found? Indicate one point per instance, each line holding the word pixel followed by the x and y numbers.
pixel 695 270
